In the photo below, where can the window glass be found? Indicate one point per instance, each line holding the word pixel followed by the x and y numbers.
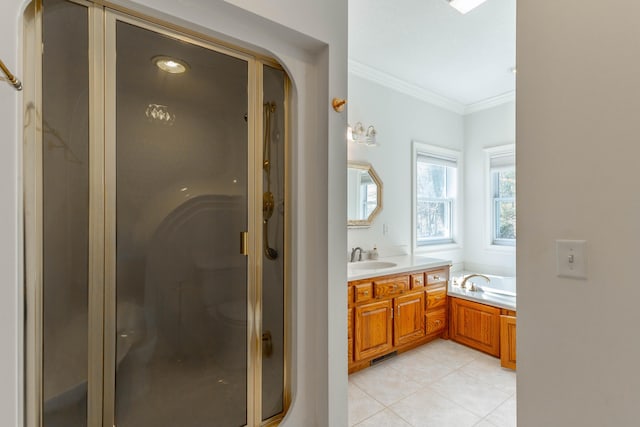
pixel 503 194
pixel 436 187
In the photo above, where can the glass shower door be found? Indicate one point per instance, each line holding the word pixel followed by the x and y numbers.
pixel 65 214
pixel 181 155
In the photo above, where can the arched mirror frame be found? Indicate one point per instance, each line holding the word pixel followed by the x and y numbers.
pixel 361 223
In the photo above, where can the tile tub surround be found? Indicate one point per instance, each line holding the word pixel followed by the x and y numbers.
pixel 441 384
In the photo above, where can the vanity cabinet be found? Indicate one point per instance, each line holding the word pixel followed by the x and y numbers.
pixel 508 339
pixel 395 313
pixel 476 325
pixel 485 328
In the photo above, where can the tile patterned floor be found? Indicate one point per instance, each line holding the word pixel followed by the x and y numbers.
pixel 440 384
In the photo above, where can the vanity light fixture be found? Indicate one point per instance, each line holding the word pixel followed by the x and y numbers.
pixel 464 6
pixel 170 65
pixel 359 135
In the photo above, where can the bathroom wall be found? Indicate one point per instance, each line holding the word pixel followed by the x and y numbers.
pixel 486 128
pixel 10 221
pixel 309 38
pixel 577 164
pixel 399 119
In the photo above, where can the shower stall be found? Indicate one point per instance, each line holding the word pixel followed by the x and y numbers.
pixel 156 224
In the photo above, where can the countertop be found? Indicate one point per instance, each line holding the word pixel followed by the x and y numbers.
pixel 404 263
pixel 488 298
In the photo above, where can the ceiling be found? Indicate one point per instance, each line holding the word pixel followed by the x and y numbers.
pixel 427 48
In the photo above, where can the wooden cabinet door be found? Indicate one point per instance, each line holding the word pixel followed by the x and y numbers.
pixel 476 325
pixel 373 329
pixel 409 322
pixel 350 334
pixel 508 342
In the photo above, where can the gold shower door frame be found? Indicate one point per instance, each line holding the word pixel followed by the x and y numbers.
pixel 102 211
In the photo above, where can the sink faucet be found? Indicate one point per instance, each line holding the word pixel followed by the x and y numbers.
pixel 472 287
pixel 353 253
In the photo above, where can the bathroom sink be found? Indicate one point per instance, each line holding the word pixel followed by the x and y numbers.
pixel 371 265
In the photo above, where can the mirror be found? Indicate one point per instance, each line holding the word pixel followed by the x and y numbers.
pixel 364 194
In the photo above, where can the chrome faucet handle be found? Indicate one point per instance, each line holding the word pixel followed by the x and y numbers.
pixel 472 286
pixel 353 253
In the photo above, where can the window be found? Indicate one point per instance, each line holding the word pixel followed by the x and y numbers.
pixel 502 176
pixel 436 188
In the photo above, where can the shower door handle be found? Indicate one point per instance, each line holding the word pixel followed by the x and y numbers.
pixel 244 243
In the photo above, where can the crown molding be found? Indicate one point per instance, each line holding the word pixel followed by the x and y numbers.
pixel 485 104
pixel 366 72
pixel 372 74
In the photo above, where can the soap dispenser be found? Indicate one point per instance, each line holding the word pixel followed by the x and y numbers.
pixel 374 253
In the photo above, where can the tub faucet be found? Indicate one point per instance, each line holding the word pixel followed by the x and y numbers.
pixel 353 253
pixel 472 287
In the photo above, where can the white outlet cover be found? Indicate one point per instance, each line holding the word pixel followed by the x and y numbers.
pixel 571 257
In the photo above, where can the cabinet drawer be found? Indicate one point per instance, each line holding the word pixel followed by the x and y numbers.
pixel 417 280
pixel 436 320
pixel 391 286
pixel 364 291
pixel 350 297
pixel 436 297
pixel 437 277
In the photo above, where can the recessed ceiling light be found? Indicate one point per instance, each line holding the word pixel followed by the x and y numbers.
pixel 514 70
pixel 464 6
pixel 170 65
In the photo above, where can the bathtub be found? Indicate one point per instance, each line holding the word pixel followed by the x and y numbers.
pixel 499 291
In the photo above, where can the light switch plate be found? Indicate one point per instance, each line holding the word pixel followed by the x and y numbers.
pixel 571 257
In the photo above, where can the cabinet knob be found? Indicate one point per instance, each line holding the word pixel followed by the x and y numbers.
pixel 366 293
pixel 436 277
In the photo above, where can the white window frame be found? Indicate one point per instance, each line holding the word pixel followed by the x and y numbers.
pixel 502 245
pixel 421 148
